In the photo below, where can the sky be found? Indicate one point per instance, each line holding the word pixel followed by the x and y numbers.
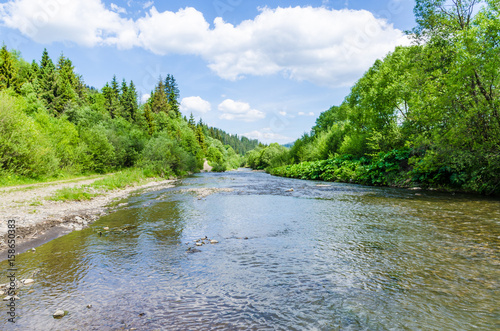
pixel 261 69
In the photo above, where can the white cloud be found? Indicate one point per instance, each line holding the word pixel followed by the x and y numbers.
pixel 145 97
pixel 267 135
pixel 118 9
pixel 236 110
pixel 283 113
pixel 148 4
pixel 301 113
pixel 86 23
pixel 195 104
pixel 324 46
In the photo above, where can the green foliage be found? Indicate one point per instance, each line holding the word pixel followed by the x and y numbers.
pixel 115 181
pixel 99 152
pixel 426 115
pixel 71 194
pixel 24 149
pixel 52 124
pixel 163 157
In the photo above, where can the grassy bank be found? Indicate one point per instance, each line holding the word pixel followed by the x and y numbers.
pixel 119 180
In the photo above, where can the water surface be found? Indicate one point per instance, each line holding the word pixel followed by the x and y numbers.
pixel 336 257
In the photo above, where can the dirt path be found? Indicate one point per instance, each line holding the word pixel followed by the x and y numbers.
pixel 34 215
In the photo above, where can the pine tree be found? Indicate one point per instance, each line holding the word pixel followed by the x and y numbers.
pixel 149 119
pixel 8 74
pixel 132 100
pixel 191 122
pixel 172 93
pixel 115 88
pixel 66 82
pixel 47 78
pixel 111 95
pixel 33 72
pixel 128 100
pixel 159 100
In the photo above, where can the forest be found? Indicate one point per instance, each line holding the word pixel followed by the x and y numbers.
pixel 426 115
pixel 52 124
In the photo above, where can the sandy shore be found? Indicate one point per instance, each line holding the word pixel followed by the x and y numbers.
pixel 39 220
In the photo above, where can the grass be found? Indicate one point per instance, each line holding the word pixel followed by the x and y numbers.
pixel 73 194
pixel 15 180
pixel 119 180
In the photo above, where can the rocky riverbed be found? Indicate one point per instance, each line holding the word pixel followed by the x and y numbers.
pixel 39 220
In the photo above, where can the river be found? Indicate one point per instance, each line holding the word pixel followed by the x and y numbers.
pixel 323 256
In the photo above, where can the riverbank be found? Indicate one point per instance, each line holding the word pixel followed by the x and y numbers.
pixel 39 219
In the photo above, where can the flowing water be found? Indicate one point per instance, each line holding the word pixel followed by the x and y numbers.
pixel 334 257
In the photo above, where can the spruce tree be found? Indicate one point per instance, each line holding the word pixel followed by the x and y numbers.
pixel 8 74
pixel 47 78
pixel 159 100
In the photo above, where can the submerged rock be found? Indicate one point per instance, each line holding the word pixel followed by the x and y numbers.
pixel 9 298
pixel 192 250
pixel 27 281
pixel 59 313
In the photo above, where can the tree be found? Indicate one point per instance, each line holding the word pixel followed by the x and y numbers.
pixel 66 82
pixel 172 93
pixel 8 74
pixel 128 100
pixel 192 122
pixel 159 99
pixel 47 78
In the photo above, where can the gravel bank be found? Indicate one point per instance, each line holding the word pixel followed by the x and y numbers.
pixel 37 217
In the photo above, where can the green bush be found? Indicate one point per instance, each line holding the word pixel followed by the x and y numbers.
pixel 163 157
pixel 100 151
pixel 24 148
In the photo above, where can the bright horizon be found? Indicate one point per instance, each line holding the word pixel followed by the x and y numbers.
pixel 264 70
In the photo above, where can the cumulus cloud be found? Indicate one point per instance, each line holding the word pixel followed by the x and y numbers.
pixel 118 9
pixel 324 46
pixel 241 111
pixel 195 104
pixel 86 23
pixel 145 97
pixel 267 135
pixel 148 4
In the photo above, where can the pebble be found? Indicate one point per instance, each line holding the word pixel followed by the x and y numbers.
pixel 199 244
pixel 59 314
pixel 27 281
pixel 290 190
pixel 8 298
pixel 213 241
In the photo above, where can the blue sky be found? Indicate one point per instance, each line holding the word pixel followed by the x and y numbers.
pixel 264 69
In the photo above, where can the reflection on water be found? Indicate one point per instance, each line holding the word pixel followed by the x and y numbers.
pixel 318 258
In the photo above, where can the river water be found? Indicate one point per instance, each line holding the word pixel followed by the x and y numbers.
pixel 334 257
